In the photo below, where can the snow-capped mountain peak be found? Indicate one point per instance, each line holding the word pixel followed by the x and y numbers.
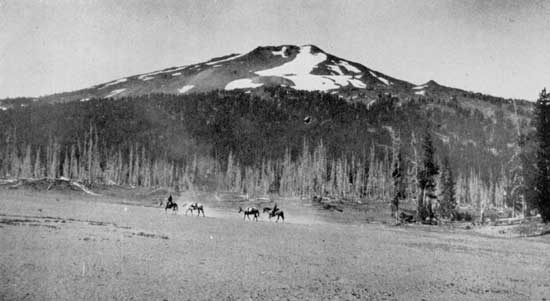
pixel 305 67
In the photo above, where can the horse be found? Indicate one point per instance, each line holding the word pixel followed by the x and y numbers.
pixel 199 207
pixel 195 206
pixel 250 211
pixel 277 213
pixel 171 205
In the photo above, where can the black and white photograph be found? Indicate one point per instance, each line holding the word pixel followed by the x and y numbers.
pixel 274 150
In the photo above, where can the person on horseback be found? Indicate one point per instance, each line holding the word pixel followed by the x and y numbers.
pixel 169 200
pixel 274 209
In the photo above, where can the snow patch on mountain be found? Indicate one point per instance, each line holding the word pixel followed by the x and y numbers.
pixel 380 78
pixel 280 52
pixel 148 76
pixel 311 82
pixel 349 67
pixel 232 57
pixel 299 72
pixel 336 69
pixel 115 92
pixel 242 83
pixel 420 87
pixel 180 68
pixel 357 83
pixel 115 82
pixel 186 88
pixel 302 64
pixel 421 92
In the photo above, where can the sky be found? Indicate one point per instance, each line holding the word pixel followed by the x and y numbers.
pixel 498 47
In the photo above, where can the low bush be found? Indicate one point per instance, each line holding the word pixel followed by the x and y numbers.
pixel 464 216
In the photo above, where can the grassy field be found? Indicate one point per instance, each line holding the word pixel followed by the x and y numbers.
pixel 60 245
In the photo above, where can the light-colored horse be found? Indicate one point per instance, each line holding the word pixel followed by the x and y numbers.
pixel 194 206
pixel 250 211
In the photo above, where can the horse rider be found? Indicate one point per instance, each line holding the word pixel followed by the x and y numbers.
pixel 274 209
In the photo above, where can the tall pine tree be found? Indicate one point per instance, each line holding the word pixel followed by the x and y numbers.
pixel 399 184
pixel 426 179
pixel 542 182
pixel 448 191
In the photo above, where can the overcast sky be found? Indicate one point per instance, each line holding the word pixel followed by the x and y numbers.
pixel 496 47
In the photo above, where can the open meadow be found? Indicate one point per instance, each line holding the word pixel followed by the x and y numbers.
pixel 69 245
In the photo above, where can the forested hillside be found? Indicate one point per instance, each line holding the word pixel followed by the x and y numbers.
pixel 271 140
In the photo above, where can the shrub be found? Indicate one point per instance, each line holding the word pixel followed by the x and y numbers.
pixel 464 216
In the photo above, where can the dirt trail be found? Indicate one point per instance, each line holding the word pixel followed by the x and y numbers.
pixel 78 249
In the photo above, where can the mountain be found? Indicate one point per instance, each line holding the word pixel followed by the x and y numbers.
pixel 247 121
pixel 297 67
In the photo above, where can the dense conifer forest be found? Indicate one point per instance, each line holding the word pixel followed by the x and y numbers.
pixel 272 140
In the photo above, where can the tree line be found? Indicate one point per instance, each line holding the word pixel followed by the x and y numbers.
pixel 286 142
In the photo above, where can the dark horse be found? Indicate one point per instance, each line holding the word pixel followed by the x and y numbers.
pixel 250 211
pixel 171 204
pixel 276 212
pixel 270 209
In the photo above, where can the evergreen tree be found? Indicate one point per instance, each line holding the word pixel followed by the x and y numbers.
pixel 542 182
pixel 448 191
pixel 398 173
pixel 399 184
pixel 426 180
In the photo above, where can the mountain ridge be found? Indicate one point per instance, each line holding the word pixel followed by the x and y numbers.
pixel 306 67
